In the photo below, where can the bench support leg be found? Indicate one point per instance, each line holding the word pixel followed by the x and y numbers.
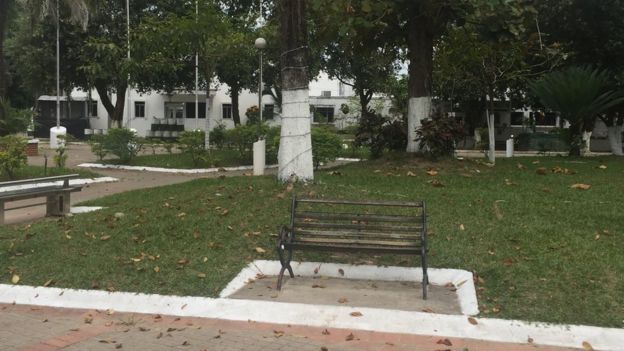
pixel 58 204
pixel 425 280
pixel 284 260
pixel 1 212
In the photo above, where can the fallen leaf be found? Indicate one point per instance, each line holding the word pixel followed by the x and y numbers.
pixel 201 275
pixel 278 333
pixel 48 283
pixel 323 348
pixel 88 319
pixel 436 183
pixel 541 171
pixel 520 166
pixel 105 237
pixel 580 186
pixel 350 337
pixel 183 261
pixel 472 321
pixel 602 167
pixel 411 174
pixel 446 342
pixel 15 279
pixel 587 346
pixel 497 211
pixel 318 286
pixel 341 271
pixel 432 172
pixel 260 250
pixel 325 332
pixel 342 300
pixel 156 269
pixel 530 340
pixel 461 227
pixel 356 314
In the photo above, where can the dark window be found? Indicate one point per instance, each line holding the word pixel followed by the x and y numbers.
pixel 139 109
pixel 190 110
pixel 226 112
pixel 545 119
pixel 324 114
pixel 517 118
pixel 269 111
pixel 93 108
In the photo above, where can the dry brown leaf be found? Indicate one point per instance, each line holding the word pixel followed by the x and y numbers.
pixel 436 183
pixel 580 186
pixel 432 172
pixel 260 250
pixel 88 319
pixel 530 340
pixel 156 269
pixel 325 332
pixel 497 211
pixel 15 279
pixel 48 283
pixel 411 174
pixel 350 337
pixel 356 314
pixel 278 333
pixel 520 166
pixel 446 342
pixel 461 227
pixel 105 237
pixel 183 261
pixel 320 286
pixel 341 271
pixel 587 346
pixel 541 171
pixel 201 275
pixel 342 300
pixel 602 167
pixel 472 321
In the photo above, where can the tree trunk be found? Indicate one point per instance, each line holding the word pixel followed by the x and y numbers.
pixel 490 123
pixel 4 22
pixel 234 91
pixel 115 112
pixel 365 99
pixel 295 150
pixel 420 47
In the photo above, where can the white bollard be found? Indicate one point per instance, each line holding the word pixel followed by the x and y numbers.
pixel 510 147
pixel 55 141
pixel 259 157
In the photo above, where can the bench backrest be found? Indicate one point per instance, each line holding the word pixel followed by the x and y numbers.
pixel 65 178
pixel 359 225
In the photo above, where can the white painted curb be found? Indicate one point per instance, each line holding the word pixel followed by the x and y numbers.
pixel 461 279
pixel 82 181
pixel 381 320
pixel 84 209
pixel 169 170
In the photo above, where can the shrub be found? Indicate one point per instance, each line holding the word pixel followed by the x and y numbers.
pixel 122 143
pixel 380 133
pixel 438 136
pixel 12 155
pixel 217 136
pixel 242 138
pixel 13 120
pixel 193 143
pixel 97 146
pixel 253 115
pixel 326 146
pixel 60 154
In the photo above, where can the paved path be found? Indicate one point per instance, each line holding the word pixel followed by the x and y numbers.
pixel 37 329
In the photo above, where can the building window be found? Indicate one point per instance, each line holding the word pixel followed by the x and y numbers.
pixel 139 109
pixel 269 111
pixel 326 93
pixel 93 108
pixel 545 119
pixel 226 111
pixel 190 110
pixel 324 114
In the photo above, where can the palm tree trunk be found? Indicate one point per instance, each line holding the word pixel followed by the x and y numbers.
pixel 295 150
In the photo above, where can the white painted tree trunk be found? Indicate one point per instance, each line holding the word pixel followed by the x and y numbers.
pixel 492 138
pixel 586 142
pixel 615 139
pixel 418 109
pixel 295 149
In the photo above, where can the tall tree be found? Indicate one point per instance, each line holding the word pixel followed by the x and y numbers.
pixel 295 150
pixel 5 6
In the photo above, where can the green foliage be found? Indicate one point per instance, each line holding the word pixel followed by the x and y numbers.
pixel 579 94
pixel 326 146
pixel 12 155
pixel 97 146
pixel 60 156
pixel 438 136
pixel 252 114
pixel 380 133
pixel 193 143
pixel 217 136
pixel 122 143
pixel 242 138
pixel 13 120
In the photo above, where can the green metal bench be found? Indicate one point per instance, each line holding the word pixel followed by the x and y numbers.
pixel 354 226
pixel 58 196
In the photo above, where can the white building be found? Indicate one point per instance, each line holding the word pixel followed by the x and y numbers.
pixel 162 115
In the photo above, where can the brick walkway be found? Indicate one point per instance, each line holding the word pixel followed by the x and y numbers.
pixel 37 329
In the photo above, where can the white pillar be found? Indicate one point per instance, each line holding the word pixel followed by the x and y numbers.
pixel 259 157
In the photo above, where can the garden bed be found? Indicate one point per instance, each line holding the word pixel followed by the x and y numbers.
pixel 540 249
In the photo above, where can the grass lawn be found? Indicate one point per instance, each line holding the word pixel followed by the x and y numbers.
pixel 220 158
pixel 29 172
pixel 542 251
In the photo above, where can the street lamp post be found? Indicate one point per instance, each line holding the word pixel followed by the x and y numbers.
pixel 260 45
pixel 259 147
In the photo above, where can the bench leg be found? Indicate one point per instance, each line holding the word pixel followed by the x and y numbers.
pixel 425 280
pixel 285 261
pixel 58 204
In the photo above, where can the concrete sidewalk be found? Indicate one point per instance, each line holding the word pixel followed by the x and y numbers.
pixel 36 328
